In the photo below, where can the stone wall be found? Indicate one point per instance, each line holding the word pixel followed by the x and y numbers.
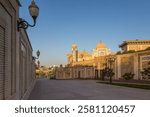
pixel 17 70
pixel 127 64
pixel 27 65
pixel 9 11
pixel 131 62
pixel 124 63
pixel 76 72
pixel 138 47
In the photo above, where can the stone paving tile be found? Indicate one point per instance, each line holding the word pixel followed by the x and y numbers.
pixel 46 89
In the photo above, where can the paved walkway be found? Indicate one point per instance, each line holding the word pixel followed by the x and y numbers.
pixel 46 89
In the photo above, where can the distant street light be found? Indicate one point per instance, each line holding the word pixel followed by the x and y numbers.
pixel 34 12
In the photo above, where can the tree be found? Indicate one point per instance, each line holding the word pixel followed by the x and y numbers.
pixel 37 74
pixel 130 51
pixel 109 73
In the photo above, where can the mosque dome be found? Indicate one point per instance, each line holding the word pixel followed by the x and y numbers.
pixel 100 45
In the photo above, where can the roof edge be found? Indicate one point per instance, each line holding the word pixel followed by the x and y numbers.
pixel 18 3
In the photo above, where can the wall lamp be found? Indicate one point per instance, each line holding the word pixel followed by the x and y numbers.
pixel 34 12
pixel 37 54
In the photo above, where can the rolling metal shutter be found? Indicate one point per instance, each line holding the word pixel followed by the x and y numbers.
pixel 5 79
pixel 6 53
pixel 2 62
pixel 7 65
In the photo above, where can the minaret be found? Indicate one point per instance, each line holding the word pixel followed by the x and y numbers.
pixel 74 52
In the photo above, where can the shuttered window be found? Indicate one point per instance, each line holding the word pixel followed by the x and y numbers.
pixel 5 68
pixel 2 61
pixel 7 50
pixel 8 67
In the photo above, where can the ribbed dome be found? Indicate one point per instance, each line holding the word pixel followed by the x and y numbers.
pixel 100 45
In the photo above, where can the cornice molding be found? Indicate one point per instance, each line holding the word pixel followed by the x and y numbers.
pixel 135 42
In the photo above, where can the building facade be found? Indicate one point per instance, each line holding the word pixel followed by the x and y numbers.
pixel 16 65
pixel 84 65
pixel 85 58
pixel 26 65
pixel 76 72
pixel 101 50
pixel 134 45
pixel 125 62
pixel 131 62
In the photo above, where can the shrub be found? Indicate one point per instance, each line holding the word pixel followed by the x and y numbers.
pixel 128 76
pixel 146 73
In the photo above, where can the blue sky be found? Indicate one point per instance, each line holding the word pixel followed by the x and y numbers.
pixel 85 22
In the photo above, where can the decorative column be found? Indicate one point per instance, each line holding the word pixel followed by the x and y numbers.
pixel 118 66
pixel 136 63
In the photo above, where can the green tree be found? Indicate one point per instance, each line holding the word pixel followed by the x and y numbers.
pixel 109 73
pixel 37 74
pixel 118 52
pixel 130 51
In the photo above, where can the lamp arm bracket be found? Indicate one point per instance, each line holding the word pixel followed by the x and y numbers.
pixel 24 24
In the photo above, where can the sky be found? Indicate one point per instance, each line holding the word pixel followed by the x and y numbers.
pixel 84 22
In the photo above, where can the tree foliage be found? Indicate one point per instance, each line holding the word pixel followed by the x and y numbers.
pixel 119 52
pixel 130 51
pixel 108 72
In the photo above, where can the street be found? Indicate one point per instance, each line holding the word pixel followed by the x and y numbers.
pixel 46 89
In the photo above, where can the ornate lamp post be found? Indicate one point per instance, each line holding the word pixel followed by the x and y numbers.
pixel 109 69
pixel 38 62
pixel 34 12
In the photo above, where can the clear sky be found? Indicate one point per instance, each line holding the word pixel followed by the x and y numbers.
pixel 85 22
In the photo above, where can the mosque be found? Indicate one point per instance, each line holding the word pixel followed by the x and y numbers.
pixel 133 57
pixel 85 58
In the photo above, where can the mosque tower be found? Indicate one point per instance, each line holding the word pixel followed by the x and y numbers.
pixel 74 52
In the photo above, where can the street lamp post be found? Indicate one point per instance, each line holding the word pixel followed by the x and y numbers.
pixel 34 12
pixel 38 62
pixel 38 54
pixel 109 69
